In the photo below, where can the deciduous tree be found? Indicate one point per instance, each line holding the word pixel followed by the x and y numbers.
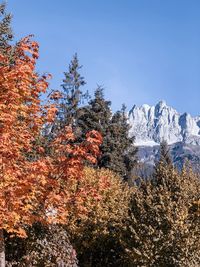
pixel 34 190
pixel 96 236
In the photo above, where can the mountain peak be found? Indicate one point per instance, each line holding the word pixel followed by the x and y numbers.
pixel 146 106
pixel 162 103
pixel 151 124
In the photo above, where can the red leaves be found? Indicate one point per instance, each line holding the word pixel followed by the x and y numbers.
pixel 69 157
pixel 51 112
pixel 21 181
pixel 55 95
pixel 94 140
pixel 31 187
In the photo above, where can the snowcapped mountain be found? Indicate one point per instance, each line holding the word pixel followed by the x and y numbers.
pixel 152 124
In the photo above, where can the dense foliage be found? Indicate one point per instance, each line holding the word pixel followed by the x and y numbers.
pixel 35 188
pixel 5 29
pixel 117 150
pixel 96 237
pixel 64 200
pixel 164 218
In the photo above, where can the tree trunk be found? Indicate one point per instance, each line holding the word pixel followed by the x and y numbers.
pixel 2 250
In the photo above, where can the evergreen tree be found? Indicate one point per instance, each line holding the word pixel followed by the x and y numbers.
pixel 117 150
pixel 68 100
pixel 165 156
pixel 130 150
pixel 164 162
pixel 5 28
pixel 124 152
pixel 163 224
pixel 97 115
pixel 70 97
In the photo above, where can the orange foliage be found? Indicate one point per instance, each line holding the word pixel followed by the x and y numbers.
pixel 68 161
pixel 33 190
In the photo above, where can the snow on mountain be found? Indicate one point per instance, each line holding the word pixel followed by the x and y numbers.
pixel 152 124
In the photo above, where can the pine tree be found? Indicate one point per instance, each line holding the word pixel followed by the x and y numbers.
pixel 68 100
pixel 164 162
pixel 124 154
pixel 5 29
pixel 97 116
pixel 130 151
pixel 72 94
pixel 163 225
pixel 117 150
pixel 165 156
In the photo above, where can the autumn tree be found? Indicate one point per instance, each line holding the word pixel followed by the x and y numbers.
pixel 162 227
pixel 96 236
pixel 20 121
pixel 164 217
pixel 32 190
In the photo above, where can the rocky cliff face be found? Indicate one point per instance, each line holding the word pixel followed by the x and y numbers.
pixel 151 124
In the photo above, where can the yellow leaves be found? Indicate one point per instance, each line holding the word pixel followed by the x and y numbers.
pixel 101 207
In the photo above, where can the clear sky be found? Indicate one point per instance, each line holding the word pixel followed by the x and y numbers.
pixel 141 51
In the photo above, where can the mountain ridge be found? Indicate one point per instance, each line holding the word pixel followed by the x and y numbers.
pixel 152 124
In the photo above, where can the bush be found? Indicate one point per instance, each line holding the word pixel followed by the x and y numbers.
pixel 44 247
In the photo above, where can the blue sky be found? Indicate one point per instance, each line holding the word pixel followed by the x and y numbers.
pixel 141 51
